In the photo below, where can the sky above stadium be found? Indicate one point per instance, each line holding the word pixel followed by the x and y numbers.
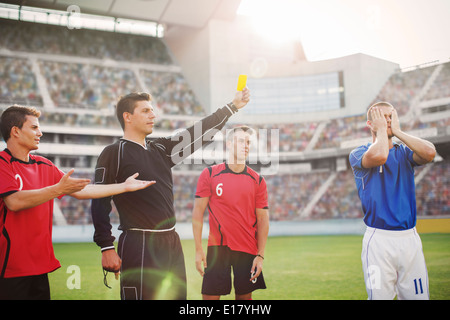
pixel 407 32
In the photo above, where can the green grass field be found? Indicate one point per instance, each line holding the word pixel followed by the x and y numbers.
pixel 295 268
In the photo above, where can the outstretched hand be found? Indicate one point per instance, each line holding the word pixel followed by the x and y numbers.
pixel 131 184
pixel 241 98
pixel 68 185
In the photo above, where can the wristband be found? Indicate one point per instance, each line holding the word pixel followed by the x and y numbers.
pixel 107 248
pixel 233 107
pixel 258 255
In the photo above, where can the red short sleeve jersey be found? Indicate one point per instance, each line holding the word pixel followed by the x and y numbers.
pixel 26 236
pixel 233 200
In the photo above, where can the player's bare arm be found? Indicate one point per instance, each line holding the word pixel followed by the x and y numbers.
pixel 262 218
pixel 76 187
pixel 26 199
pixel 378 152
pixel 197 228
pixel 95 191
pixel 424 151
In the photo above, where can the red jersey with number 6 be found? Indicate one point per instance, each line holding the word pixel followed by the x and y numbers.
pixel 26 236
pixel 233 200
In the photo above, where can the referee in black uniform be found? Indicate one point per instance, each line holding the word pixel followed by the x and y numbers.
pixel 149 258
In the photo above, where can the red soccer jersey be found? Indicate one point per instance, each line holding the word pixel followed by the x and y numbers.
pixel 233 200
pixel 26 236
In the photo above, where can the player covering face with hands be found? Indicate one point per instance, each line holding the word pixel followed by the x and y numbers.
pixel 236 199
pixel 29 183
pixel 392 257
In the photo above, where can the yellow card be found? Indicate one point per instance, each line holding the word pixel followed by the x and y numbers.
pixel 242 82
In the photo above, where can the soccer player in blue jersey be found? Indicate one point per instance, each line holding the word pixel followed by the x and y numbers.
pixel 392 256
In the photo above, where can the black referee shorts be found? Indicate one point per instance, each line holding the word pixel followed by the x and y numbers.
pixel 152 266
pixel 217 278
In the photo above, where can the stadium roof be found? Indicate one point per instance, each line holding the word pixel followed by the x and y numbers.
pixel 188 13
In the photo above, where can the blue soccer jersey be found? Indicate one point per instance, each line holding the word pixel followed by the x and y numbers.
pixel 387 192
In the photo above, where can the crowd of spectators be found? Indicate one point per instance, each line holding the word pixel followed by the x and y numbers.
pixel 399 90
pixel 289 194
pixel 342 129
pixel 18 82
pixel 74 119
pixel 76 85
pixel 340 200
pixel 92 86
pixel 184 186
pixel 83 85
pixel 78 212
pixel 171 93
pixel 41 38
pixel 293 137
pixel 402 87
pixel 433 191
pixel 418 124
pixel 87 120
pixel 440 87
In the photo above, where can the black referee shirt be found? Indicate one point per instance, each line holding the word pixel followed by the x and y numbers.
pixel 150 208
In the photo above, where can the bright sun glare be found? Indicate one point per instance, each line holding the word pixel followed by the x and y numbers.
pixel 294 20
pixel 332 28
pixel 273 19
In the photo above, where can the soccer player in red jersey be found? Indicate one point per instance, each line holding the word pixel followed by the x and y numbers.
pixel 236 198
pixel 29 183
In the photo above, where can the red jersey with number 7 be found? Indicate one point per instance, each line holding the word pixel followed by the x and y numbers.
pixel 233 200
pixel 26 236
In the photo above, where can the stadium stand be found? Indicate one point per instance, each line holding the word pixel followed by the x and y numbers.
pixel 403 87
pixel 76 80
pixel 86 86
pixel 40 38
pixel 18 82
pixel 440 88
pixel 433 191
pixel 340 201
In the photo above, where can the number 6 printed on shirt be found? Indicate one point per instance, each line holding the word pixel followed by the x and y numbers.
pixel 219 190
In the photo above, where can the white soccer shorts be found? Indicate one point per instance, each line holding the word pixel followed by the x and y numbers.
pixel 394 265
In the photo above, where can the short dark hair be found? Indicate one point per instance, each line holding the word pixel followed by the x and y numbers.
pixel 127 103
pixel 232 131
pixel 15 116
